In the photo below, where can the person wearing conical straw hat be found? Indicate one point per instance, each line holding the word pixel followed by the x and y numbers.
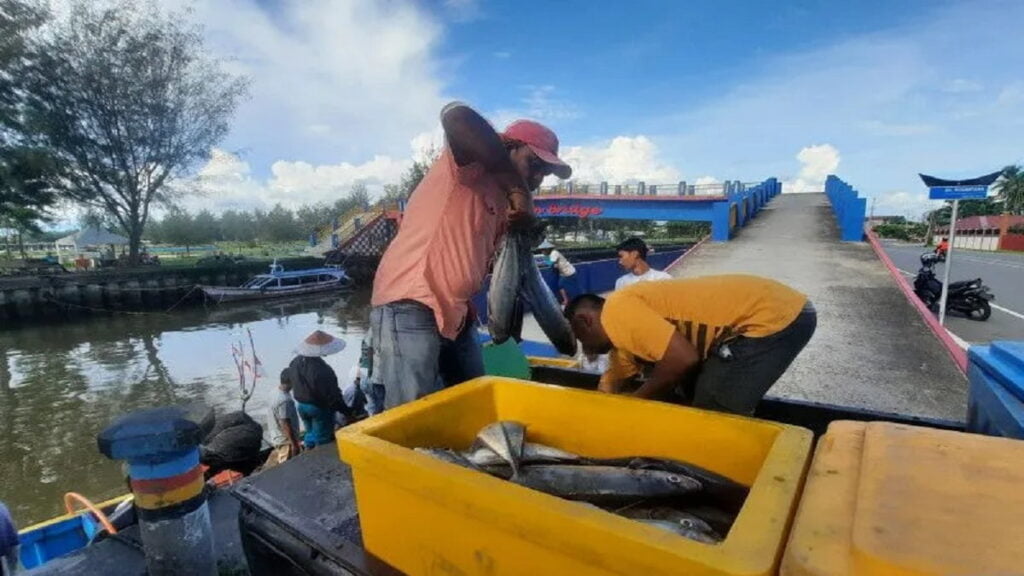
pixel 315 387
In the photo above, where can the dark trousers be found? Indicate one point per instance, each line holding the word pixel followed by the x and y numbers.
pixel 737 383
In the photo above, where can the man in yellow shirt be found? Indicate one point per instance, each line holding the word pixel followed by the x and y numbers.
pixel 719 342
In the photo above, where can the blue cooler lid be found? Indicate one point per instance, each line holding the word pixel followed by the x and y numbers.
pixel 1004 362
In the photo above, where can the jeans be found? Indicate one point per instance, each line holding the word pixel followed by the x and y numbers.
pixel 411 359
pixel 318 422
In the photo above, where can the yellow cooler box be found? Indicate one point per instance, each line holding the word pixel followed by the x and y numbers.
pixel 426 516
pixel 890 499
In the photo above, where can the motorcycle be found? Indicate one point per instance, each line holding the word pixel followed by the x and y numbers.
pixel 969 297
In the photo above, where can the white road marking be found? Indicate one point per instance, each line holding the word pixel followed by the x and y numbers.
pixel 1006 310
pixel 959 341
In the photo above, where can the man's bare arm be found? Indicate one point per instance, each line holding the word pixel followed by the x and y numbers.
pixel 679 359
pixel 471 138
pixel 292 440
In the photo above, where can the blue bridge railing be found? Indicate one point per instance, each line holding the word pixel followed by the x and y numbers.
pixel 848 207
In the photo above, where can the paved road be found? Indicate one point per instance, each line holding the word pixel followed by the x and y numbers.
pixel 1003 272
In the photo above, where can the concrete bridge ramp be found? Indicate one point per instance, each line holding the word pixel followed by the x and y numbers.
pixel 871 349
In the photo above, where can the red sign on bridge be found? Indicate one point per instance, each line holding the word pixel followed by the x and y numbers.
pixel 577 210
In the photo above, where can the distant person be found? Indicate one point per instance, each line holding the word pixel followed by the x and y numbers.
pixel 568 287
pixel 423 330
pixel 633 259
pixel 716 342
pixel 8 542
pixel 315 388
pixel 942 248
pixel 284 423
pixel 365 396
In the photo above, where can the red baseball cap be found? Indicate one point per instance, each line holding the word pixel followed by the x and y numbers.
pixel 542 141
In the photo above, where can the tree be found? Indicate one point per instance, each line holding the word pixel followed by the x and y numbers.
pixel 237 226
pixel 178 228
pixel 968 208
pixel 1010 189
pixel 279 225
pixel 25 195
pixel 313 217
pixel 359 195
pixel 126 98
pixel 206 227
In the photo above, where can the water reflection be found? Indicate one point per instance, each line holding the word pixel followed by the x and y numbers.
pixel 60 384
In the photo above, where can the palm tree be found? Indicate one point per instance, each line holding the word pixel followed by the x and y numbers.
pixel 1010 189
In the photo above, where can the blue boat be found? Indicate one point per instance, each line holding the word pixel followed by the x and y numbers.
pixel 279 283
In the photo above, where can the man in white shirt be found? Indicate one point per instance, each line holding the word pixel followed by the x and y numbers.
pixel 633 258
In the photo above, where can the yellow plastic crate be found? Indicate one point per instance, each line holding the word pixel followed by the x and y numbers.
pixel 426 516
pixel 889 499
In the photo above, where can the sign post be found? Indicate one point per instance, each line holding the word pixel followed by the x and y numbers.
pixel 956 194
pixel 949 264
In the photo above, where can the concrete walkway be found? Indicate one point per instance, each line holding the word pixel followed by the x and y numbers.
pixel 871 349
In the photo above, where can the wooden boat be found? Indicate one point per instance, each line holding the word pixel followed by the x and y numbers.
pixel 280 283
pixel 72 532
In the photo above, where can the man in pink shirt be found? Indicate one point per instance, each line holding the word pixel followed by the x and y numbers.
pixel 422 328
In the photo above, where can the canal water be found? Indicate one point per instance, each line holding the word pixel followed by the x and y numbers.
pixel 60 384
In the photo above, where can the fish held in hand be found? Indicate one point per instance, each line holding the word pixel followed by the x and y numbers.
pixel 515 278
pixel 504 312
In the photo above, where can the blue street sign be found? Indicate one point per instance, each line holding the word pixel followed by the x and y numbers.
pixel 958 192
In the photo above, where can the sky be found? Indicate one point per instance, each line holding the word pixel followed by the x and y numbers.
pixel 347 91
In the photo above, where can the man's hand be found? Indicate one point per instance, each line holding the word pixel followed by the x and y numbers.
pixel 679 359
pixel 520 208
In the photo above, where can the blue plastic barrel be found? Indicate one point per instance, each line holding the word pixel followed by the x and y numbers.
pixel 995 400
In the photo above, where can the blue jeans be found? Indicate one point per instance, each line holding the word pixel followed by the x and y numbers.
pixel 411 359
pixel 318 422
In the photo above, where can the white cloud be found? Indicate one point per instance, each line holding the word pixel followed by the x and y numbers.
pixel 706 180
pixel 1013 93
pixel 818 161
pixel 910 205
pixel 962 86
pixel 541 103
pixel 331 79
pixel 624 159
pixel 226 182
pixel 893 77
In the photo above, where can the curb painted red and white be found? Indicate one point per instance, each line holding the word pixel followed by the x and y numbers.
pixel 692 249
pixel 956 352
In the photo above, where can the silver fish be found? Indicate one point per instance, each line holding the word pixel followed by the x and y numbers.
pixel 448 455
pixel 685 521
pixel 547 311
pixel 682 530
pixel 506 439
pixel 723 491
pixel 503 312
pixel 533 453
pixel 603 483
pixel 515 279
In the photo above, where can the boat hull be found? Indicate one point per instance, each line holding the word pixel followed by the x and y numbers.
pixel 233 294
